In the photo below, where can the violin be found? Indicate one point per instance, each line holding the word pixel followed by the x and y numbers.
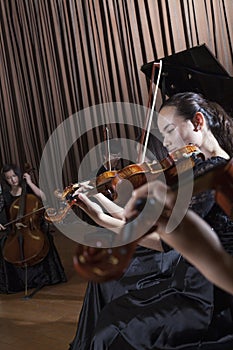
pixel 100 265
pixel 26 244
pixel 113 182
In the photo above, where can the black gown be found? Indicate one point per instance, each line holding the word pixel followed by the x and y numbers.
pixel 147 267
pixel 47 272
pixel 178 309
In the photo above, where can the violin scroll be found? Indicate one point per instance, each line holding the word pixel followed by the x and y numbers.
pixel 53 215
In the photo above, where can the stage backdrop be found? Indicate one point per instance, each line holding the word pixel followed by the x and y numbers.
pixel 59 57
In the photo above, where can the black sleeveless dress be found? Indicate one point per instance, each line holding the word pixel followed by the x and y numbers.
pixel 170 305
pixel 14 279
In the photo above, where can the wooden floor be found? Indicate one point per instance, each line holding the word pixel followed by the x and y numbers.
pixel 49 319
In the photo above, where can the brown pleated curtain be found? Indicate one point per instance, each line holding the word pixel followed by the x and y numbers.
pixel 59 57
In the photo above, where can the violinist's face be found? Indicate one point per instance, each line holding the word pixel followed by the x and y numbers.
pixel 12 178
pixel 176 130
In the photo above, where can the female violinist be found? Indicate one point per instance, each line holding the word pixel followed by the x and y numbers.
pixel 45 272
pixel 183 310
pixel 146 268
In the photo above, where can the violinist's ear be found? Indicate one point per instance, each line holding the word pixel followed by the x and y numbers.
pixel 198 121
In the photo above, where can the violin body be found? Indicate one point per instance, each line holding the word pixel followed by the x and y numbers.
pixel 26 244
pixel 117 185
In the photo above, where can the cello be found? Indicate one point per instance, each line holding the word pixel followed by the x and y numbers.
pixel 26 244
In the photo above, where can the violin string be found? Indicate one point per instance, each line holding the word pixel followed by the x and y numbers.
pixel 152 110
pixel 108 150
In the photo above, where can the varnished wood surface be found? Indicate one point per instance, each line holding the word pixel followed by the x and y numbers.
pixel 49 319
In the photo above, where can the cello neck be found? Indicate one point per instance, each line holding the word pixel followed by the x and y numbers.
pixel 22 201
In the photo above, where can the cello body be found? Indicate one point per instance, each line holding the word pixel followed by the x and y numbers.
pixel 26 244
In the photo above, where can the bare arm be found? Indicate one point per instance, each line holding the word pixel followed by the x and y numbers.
pixel 151 241
pixel 115 210
pixel 200 245
pixel 33 187
pixel 192 237
pixel 96 213
pixel 112 208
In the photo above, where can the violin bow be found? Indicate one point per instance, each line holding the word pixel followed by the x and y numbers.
pixel 149 117
pixel 24 216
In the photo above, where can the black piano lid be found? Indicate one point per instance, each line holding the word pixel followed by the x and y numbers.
pixel 195 69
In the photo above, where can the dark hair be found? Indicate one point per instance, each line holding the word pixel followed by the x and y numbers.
pixel 8 167
pixel 219 122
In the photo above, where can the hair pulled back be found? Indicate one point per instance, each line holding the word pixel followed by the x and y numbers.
pixel 16 170
pixel 187 104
